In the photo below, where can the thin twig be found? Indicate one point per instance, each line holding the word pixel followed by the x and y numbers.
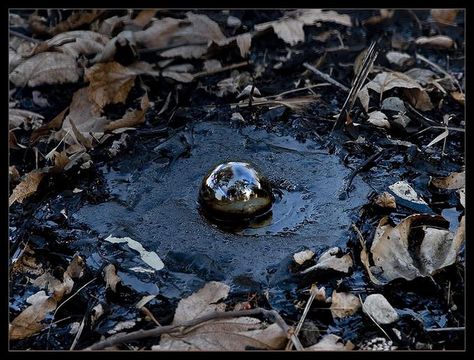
pixel 325 77
pixel 180 328
pixel 314 290
pixel 358 82
pixel 362 167
pixel 79 332
pixel 277 96
pixel 446 329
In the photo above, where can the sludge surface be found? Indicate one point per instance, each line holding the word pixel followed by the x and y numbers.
pixel 155 203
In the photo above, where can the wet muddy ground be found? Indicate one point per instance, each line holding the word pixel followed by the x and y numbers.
pixel 149 193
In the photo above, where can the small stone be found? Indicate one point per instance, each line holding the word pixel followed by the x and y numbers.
pixel 377 306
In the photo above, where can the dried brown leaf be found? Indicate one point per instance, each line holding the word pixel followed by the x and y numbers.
pixel 385 81
pixel 76 20
pixel 331 342
pixel 13 174
pixel 144 17
pixel 109 83
pixel 379 119
pixel 54 124
pixel 46 68
pixel 435 42
pixel 444 16
pixel 455 180
pixel 131 118
pixel 385 14
pixel 111 277
pixel 386 200
pixel 459 97
pixel 26 187
pixel 344 304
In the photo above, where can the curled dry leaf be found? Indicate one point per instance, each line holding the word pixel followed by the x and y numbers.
pixel 76 20
pixel 131 118
pixel 331 342
pixel 26 187
pixel 393 253
pixel 111 277
pixel 109 83
pixel 444 16
pixel 46 68
pixel 344 304
pixel 330 260
pixel 454 181
pixel 401 60
pixel 459 97
pixel 290 27
pixel 302 256
pixel 229 334
pixel 30 320
pixel 379 309
pixel 385 200
pixel 379 119
pixel 435 42
pixel 385 81
pixel 384 15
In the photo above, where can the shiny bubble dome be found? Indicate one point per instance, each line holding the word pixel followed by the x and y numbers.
pixel 235 190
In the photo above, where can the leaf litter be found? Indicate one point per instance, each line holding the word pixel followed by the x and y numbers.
pixel 110 58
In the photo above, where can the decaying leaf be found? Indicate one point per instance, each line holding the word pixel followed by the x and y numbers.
pixel 385 81
pixel 384 15
pixel 344 304
pixel 76 20
pixel 302 256
pixel 26 187
pixel 331 342
pixel 444 16
pixel 421 76
pixel 109 83
pixel 30 320
pixel 385 200
pixel 150 258
pixel 54 124
pixel 131 118
pixel 379 119
pixel 406 196
pixel 332 260
pixel 399 59
pixel 46 68
pixel 290 27
pixel 459 97
pixel 455 181
pixel 13 174
pixel 17 117
pixel 229 334
pixel 392 248
pixel 379 309
pixel 436 42
pixel 111 277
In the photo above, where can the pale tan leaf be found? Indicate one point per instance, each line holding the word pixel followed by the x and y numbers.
pixel 159 34
pixel 302 256
pixel 399 59
pixel 459 97
pixel 312 16
pixel 46 68
pixel 455 180
pixel 109 83
pixel 111 277
pixel 26 187
pixel 290 31
pixel 178 76
pixel 331 342
pixel 17 117
pixel 386 200
pixel 462 197
pixel 384 15
pixel 436 42
pixel 444 16
pixel 131 118
pixel 379 119
pixel 201 302
pixel 244 42
pixel 186 51
pixel 144 17
pixel 344 304
pixel 390 248
pixel 385 81
pixel 29 321
pixel 54 124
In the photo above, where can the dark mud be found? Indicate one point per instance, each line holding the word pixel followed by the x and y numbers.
pixel 155 201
